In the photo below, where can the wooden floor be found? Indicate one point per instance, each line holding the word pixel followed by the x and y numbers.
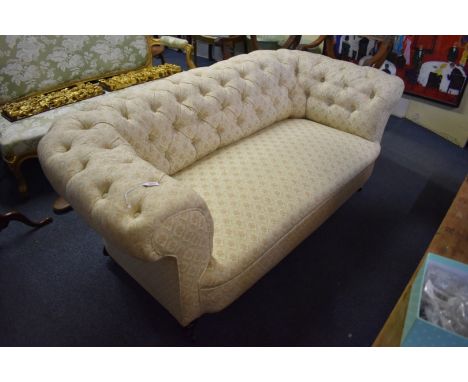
pixel 450 240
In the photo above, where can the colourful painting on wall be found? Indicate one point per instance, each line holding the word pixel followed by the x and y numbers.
pixel 432 67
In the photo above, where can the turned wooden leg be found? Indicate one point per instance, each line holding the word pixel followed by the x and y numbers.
pixel 15 168
pixel 14 163
pixel 5 219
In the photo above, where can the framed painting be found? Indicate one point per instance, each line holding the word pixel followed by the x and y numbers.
pixel 432 67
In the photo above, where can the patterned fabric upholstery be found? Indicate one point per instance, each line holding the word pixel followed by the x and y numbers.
pixel 22 137
pixel 31 64
pixel 242 157
pixel 35 64
pixel 188 116
pixel 174 42
pixel 259 188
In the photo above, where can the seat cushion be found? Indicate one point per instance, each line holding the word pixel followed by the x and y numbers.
pixel 260 187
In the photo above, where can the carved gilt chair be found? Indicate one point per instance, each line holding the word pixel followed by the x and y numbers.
pixel 158 45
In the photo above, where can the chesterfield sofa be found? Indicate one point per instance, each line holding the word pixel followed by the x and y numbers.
pixel 202 182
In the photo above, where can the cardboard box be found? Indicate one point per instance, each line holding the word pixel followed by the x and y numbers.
pixel 418 331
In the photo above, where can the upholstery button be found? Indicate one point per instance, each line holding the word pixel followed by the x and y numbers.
pixel 85 125
pixel 177 124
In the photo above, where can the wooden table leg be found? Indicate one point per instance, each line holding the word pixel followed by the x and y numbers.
pixel 5 219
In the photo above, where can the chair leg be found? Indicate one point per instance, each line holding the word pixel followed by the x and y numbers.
pixel 15 168
pixel 15 164
pixel 104 251
pixel 5 219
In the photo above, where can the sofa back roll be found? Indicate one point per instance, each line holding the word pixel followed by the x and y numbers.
pixel 173 122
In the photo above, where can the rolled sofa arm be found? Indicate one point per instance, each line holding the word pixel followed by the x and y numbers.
pixel 104 179
pixel 348 97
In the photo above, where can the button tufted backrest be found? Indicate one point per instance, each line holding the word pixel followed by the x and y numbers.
pixel 348 97
pixel 172 123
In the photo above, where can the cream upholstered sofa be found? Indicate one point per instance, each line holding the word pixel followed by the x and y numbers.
pixel 251 155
